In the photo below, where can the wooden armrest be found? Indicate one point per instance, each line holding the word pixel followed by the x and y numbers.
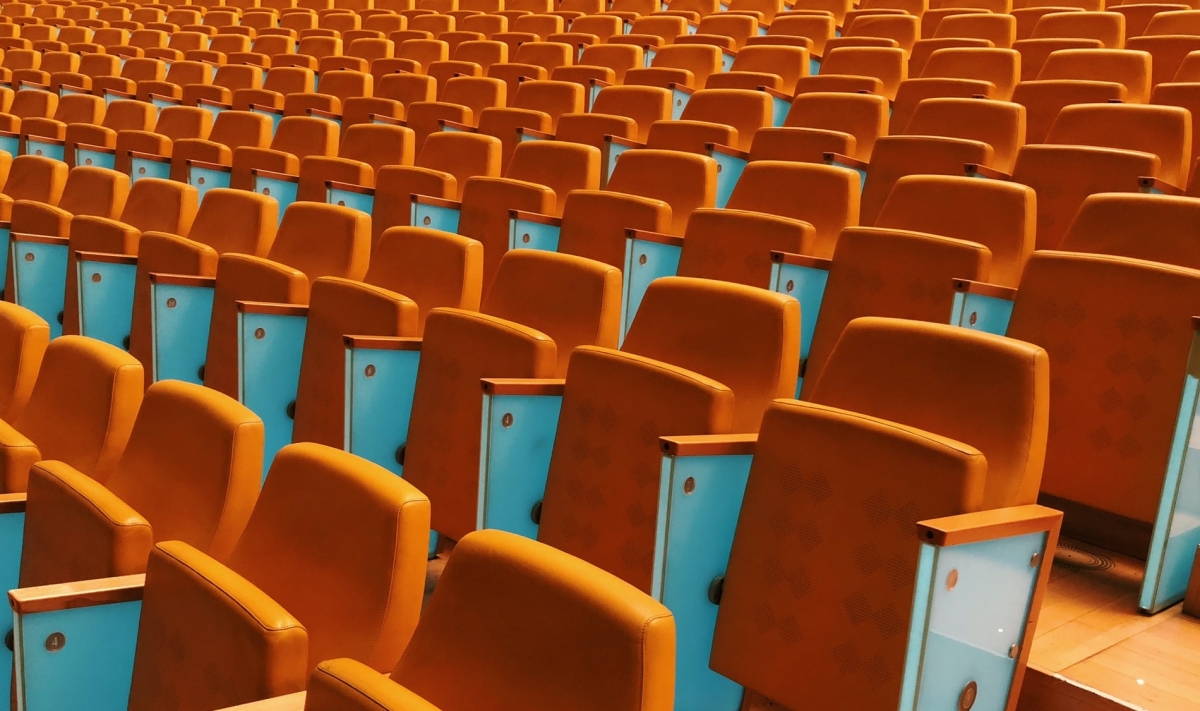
pixel 680 87
pixel 349 187
pixel 264 173
pixel 995 291
pixel 289 702
pixel 86 593
pixel 164 97
pixel 12 503
pixel 781 95
pixel 39 239
pixel 382 343
pixel 985 172
pixel 535 217
pixel 418 199
pixel 845 160
pixel 263 307
pixel 97 149
pixel 656 237
pixel 627 142
pixel 1150 183
pixel 447 123
pixel 988 525
pixel 380 118
pixel 708 445
pixel 523 386
pixel 727 150
pixel 319 113
pixel 191 163
pixel 214 104
pixel 118 92
pixel 45 139
pixel 184 280
pixel 801 260
pixel 72 87
pixel 26 84
pixel 10 134
pixel 266 109
pixel 106 257
pixel 598 82
pixel 149 156
pixel 541 135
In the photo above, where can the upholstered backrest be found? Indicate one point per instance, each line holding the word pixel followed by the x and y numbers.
pixel 83 405
pixel 431 267
pixel 1118 332
pixel 460 348
pixel 1159 228
pixel 826 550
pixel 573 300
pixel 998 214
pixel 825 196
pixel 615 407
pixel 744 337
pixel 511 613
pixel 884 272
pixel 22 346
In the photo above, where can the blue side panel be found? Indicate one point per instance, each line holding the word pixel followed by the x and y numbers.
pixel 10 145
pixel 779 111
pixel 436 217
pixel 99 159
pixel 40 280
pixel 65 90
pixel 275 119
pixel 612 152
pixel 518 438
pixel 808 286
pixel 270 347
pixel 1177 525
pixel 35 147
pixel 644 262
pixel 918 626
pixel 726 60
pixel 283 191
pixel 649 54
pixel 593 92
pixel 106 300
pixel 161 104
pixel 524 234
pixel 981 313
pixel 110 97
pixel 12 536
pixel 145 168
pixel 379 396
pixel 699 500
pixel 679 101
pixel 179 322
pixel 346 198
pixel 205 179
pixel 5 235
pixel 814 66
pixel 90 668
pixel 729 172
pixel 975 613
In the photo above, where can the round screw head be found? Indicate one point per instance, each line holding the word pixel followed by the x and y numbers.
pixel 967 698
pixel 260 334
pixel 507 420
pixel 96 278
pixel 952 579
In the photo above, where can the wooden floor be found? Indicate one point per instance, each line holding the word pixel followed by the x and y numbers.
pixel 1091 632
